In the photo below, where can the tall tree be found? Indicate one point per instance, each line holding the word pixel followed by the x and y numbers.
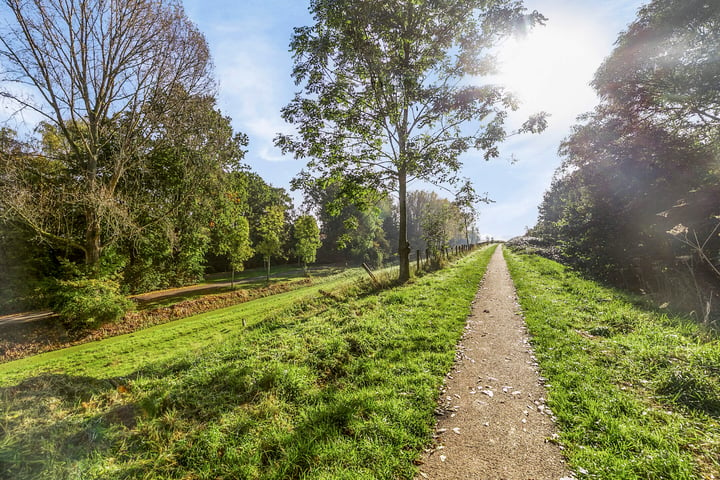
pixel 270 230
pixel 92 70
pixel 307 239
pixel 260 196
pixel 642 168
pixel 235 242
pixel 391 94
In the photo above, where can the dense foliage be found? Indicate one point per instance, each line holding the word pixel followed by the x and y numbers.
pixel 137 178
pixel 384 100
pixel 635 200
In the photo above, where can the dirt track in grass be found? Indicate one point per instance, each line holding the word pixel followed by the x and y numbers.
pixel 493 423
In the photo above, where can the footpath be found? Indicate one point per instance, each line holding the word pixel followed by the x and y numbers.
pixel 493 422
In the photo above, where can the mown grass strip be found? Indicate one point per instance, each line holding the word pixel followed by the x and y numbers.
pixel 338 384
pixel 120 356
pixel 636 392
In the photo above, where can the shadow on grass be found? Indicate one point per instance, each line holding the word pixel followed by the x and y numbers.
pixel 54 419
pixel 321 397
pixel 681 375
pixel 260 418
pixel 693 390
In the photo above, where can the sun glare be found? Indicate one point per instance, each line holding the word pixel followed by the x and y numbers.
pixel 551 68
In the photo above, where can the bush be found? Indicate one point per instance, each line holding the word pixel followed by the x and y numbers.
pixel 86 303
pixel 536 246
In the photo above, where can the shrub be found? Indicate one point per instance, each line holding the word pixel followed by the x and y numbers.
pixel 537 246
pixel 86 303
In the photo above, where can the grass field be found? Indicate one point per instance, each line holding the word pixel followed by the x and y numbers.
pixel 333 381
pixel 636 392
pixel 247 280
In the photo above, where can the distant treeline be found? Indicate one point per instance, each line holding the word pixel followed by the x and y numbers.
pixel 186 210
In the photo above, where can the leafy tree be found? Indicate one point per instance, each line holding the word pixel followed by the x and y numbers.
pixel 635 200
pixel 440 222
pixel 350 233
pixel 664 69
pixel 466 200
pixel 233 233
pixel 307 239
pixel 93 70
pixel 270 231
pixel 260 196
pixel 387 97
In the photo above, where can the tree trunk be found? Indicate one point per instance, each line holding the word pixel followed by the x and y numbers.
pixel 403 245
pixel 92 243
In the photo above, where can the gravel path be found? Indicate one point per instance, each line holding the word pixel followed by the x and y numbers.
pixel 493 422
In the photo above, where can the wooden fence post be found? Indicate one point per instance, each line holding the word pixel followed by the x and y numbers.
pixel 372 275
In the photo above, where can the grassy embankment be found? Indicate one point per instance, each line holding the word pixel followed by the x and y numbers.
pixel 333 381
pixel 636 392
pixel 250 279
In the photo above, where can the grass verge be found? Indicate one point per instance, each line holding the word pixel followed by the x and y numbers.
pixel 28 339
pixel 329 382
pixel 636 392
pixel 253 279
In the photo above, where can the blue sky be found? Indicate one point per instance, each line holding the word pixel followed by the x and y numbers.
pixel 550 71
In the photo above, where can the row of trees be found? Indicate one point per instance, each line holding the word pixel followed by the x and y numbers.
pixel 132 173
pixel 197 220
pixel 636 198
pixel 367 235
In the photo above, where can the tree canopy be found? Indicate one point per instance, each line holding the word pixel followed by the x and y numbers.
pixel 635 200
pixel 103 75
pixel 391 92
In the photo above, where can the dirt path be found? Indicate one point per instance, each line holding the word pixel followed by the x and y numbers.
pixel 494 423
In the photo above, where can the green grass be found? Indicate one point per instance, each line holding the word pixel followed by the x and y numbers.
pixel 282 272
pixel 636 392
pixel 330 382
pixel 247 280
